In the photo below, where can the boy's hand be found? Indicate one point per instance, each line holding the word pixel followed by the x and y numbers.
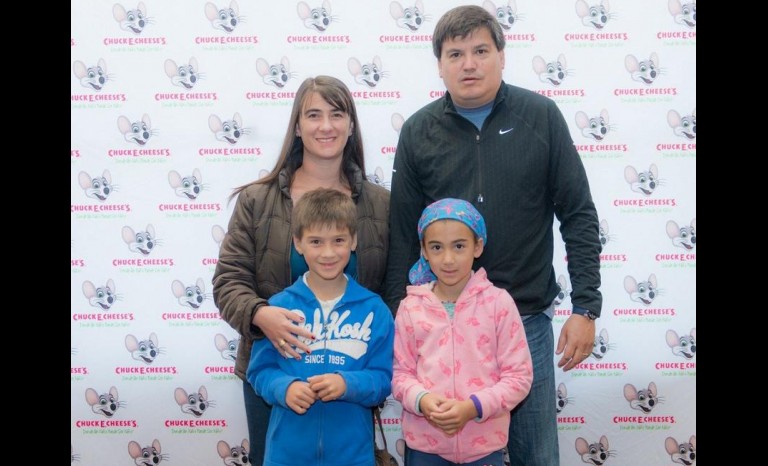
pixel 328 387
pixel 452 415
pixel 299 397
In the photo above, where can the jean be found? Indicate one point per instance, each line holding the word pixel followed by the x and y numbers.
pixel 419 458
pixel 257 413
pixel 533 428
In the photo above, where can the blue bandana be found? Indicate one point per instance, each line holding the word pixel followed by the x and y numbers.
pixel 445 209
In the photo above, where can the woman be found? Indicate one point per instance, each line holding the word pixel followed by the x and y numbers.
pixel 323 148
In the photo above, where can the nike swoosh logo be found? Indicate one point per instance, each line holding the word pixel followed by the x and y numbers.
pixel 505 131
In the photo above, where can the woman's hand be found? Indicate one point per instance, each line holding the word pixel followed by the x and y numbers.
pixel 280 326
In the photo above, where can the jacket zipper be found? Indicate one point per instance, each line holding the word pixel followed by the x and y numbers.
pixel 480 198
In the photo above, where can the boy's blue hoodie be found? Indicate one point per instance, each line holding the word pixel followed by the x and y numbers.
pixel 355 341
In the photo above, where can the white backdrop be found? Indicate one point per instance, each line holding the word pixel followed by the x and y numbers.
pixel 142 126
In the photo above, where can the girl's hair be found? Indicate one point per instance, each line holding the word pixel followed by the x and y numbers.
pixel 336 93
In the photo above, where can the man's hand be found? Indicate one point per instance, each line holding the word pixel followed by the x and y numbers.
pixel 280 326
pixel 576 340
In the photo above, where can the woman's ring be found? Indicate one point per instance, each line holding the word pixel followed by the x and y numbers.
pixel 282 343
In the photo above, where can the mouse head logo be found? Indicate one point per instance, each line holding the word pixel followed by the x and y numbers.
pixel 684 126
pixel 185 76
pixel 562 399
pixel 595 127
pixel 604 233
pixel 137 132
pixel 594 453
pixel 682 453
pixel 642 182
pixel 682 237
pixel 229 131
pixel 147 456
pixel 98 187
pixel 645 71
pixel 145 350
pixel 102 297
pixel 644 399
pixel 188 187
pixel 368 74
pixel 194 403
pixel 411 18
pixel 105 404
pixel 236 455
pixel 131 20
pixel 553 72
pixel 601 345
pixel 92 77
pixel 224 19
pixel 142 242
pixel 595 16
pixel 227 348
pixel 191 296
pixel 276 74
pixel 642 292
pixel 683 13
pixel 506 15
pixel 684 345
pixel 317 19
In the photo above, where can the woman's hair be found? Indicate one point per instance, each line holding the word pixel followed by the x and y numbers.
pixel 336 93
pixel 324 207
pixel 463 21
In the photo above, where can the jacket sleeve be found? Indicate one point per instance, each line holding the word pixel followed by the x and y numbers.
pixel 406 204
pixel 265 376
pixel 513 357
pixel 576 212
pixel 405 384
pixel 234 280
pixel 372 385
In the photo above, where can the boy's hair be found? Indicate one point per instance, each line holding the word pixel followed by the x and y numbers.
pixel 462 21
pixel 324 207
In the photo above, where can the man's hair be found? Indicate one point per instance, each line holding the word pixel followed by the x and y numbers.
pixel 462 21
pixel 324 207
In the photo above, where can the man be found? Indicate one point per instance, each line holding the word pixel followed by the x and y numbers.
pixel 509 152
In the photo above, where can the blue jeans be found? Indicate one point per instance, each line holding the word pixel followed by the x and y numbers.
pixel 533 428
pixel 419 458
pixel 257 413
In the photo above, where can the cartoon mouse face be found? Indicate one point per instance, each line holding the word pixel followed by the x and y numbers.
pixel 641 292
pixel 683 13
pixel 188 187
pixel 142 242
pixel 185 76
pixel 190 296
pixel 225 19
pixel 236 455
pixel 145 351
pixel 642 182
pixel 377 177
pixel 93 77
pixel 74 456
pixel 551 73
pixel 137 132
pixel 227 348
pixel 683 453
pixel 564 292
pixel 562 398
pixel 315 18
pixel 683 346
pixel 397 122
pixel 99 187
pixel 227 131
pixel 102 297
pixel 275 75
pixel 368 74
pixel 645 71
pixel 194 403
pixel 604 232
pixel 642 400
pixel 218 233
pixel 594 453
pixel 130 20
pixel 105 404
pixel 595 16
pixel 595 127
pixel 506 15
pixel 408 18
pixel 600 345
pixel 147 456
pixel 682 237
pixel 685 127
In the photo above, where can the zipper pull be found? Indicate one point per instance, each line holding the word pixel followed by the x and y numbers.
pixel 480 198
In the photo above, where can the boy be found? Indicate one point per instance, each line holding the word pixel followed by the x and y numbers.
pixel 322 402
